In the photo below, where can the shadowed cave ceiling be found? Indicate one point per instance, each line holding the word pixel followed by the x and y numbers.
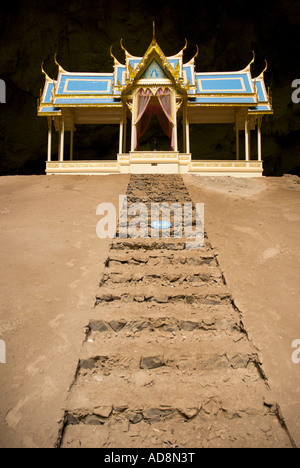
pixel 82 31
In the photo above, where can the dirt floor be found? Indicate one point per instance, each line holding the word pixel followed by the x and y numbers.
pixel 52 262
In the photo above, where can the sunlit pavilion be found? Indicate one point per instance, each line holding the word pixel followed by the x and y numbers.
pixel 155 87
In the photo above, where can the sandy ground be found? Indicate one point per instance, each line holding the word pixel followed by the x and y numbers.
pixel 254 225
pixel 52 260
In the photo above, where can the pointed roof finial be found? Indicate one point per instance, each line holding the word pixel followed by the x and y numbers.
pixel 47 77
pixel 60 68
pixel 121 44
pixel 248 67
pixel 111 54
pixel 56 62
pixel 197 52
pixel 153 38
pixel 262 73
pixel 252 61
pixel 266 67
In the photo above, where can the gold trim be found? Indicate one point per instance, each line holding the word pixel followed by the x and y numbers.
pixel 87 96
pixel 117 105
pixel 198 104
pixel 152 50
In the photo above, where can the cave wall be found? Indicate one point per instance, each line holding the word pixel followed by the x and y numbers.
pixel 82 31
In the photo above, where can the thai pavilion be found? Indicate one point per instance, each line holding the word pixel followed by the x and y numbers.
pixel 170 90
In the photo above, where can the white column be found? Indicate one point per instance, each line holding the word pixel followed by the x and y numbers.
pixel 259 121
pixel 249 138
pixel 246 138
pixel 175 121
pixel 49 138
pixel 184 128
pixel 124 127
pixel 121 136
pixel 187 133
pixel 237 137
pixel 71 143
pixel 71 138
pixel 61 139
pixel 134 104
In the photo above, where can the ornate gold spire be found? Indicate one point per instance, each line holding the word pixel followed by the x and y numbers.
pixel 153 36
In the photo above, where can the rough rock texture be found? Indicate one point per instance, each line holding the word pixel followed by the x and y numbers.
pixel 81 33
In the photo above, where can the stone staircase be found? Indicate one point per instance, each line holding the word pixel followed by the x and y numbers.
pixel 166 361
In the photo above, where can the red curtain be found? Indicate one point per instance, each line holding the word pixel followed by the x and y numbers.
pixel 143 101
pixel 143 124
pixel 145 112
pixel 164 97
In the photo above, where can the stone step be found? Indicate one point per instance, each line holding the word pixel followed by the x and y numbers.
pixel 164 276
pixel 203 431
pixel 159 257
pixel 157 244
pixel 208 295
pixel 233 395
pixel 140 317
pixel 152 350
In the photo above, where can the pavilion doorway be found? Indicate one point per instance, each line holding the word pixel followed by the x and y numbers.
pixel 154 129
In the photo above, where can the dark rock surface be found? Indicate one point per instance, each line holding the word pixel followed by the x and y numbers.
pixel 82 32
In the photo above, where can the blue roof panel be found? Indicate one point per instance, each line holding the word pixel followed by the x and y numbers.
pixel 85 84
pixel 188 74
pixel 120 75
pixel 261 94
pixel 237 83
pixel 48 110
pixel 48 94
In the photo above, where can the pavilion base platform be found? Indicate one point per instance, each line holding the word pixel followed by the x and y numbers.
pixel 157 162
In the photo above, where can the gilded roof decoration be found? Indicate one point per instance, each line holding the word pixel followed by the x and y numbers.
pixel 72 89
